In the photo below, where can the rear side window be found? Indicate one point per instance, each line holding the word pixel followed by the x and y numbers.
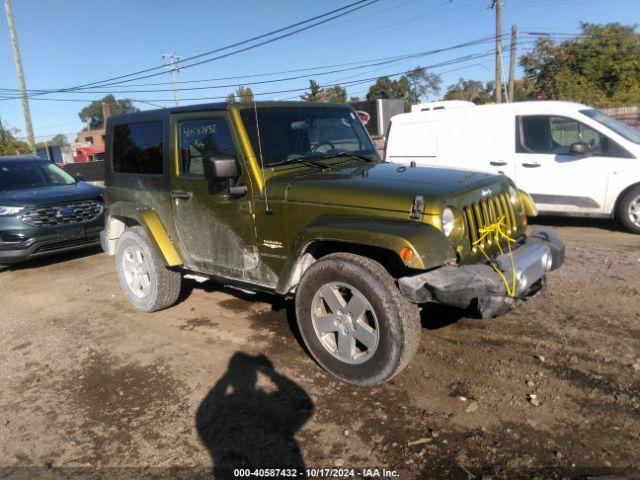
pixel 137 148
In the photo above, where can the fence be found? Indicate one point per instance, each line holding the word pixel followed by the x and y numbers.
pixel 629 115
pixel 91 171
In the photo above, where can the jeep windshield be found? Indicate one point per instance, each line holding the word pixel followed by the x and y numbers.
pixel 290 134
pixel 27 173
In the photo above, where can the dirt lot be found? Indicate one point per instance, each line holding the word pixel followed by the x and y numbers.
pixel 88 382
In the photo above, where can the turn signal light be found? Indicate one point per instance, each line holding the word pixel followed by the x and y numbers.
pixel 406 253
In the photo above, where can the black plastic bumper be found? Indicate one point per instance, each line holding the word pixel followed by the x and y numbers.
pixel 49 245
pixel 460 286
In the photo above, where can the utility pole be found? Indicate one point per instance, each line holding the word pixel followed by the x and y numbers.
pixel 23 88
pixel 497 4
pixel 512 62
pixel 172 59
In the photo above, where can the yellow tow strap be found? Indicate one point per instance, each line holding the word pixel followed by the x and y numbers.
pixel 498 230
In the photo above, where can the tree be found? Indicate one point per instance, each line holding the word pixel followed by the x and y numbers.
pixel 336 93
pixel 9 145
pixel 600 67
pixel 242 94
pixel 410 87
pixel 59 139
pixel 92 113
pixel 472 91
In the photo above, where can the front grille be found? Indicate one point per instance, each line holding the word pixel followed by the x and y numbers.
pixel 485 212
pixel 67 244
pixel 63 214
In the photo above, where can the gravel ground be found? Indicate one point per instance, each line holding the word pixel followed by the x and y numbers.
pixel 94 389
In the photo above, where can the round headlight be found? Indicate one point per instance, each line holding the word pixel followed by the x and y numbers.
pixel 448 221
pixel 513 195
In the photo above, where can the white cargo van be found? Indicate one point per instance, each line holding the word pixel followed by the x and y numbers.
pixel 571 158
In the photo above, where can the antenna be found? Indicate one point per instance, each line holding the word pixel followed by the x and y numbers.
pixel 267 209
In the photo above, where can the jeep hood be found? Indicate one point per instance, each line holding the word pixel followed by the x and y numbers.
pixel 386 186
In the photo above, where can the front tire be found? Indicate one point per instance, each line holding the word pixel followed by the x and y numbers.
pixel 354 320
pixel 147 283
pixel 628 211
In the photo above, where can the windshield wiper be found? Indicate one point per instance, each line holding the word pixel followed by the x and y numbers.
pixel 299 159
pixel 348 154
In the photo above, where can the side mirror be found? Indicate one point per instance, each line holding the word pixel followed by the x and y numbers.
pixel 580 149
pixel 220 168
pixel 80 178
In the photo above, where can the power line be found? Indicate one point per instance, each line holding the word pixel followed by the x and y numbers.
pixel 350 83
pixel 350 8
pixel 383 61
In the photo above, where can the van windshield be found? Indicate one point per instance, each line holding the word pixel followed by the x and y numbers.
pixel 617 126
pixel 287 133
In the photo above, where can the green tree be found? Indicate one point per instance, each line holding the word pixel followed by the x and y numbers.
pixel 336 93
pixel 600 67
pixel 59 139
pixel 92 113
pixel 472 91
pixel 410 87
pixel 242 94
pixel 9 144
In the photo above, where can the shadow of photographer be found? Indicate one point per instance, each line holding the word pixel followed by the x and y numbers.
pixel 249 420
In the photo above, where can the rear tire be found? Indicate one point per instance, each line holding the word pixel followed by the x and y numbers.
pixel 147 283
pixel 354 320
pixel 628 210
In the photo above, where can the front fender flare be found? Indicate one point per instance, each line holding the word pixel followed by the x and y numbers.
pixel 431 247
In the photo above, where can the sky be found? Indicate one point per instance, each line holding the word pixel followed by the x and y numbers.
pixel 67 43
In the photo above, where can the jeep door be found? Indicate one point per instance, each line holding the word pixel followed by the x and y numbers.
pixel 215 228
pixel 558 180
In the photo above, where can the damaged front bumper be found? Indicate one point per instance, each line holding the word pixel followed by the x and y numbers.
pixel 460 286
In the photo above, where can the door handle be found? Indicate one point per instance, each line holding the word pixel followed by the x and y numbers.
pixel 531 165
pixel 498 164
pixel 183 195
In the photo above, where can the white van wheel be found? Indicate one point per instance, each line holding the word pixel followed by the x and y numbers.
pixel 628 211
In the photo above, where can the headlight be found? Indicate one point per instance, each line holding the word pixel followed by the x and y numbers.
pixel 448 221
pixel 10 210
pixel 513 195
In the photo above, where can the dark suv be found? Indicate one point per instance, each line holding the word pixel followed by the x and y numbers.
pixel 44 210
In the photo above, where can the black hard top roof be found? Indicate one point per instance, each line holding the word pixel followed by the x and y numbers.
pixel 160 112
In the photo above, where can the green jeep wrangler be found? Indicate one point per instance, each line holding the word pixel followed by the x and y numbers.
pixel 292 198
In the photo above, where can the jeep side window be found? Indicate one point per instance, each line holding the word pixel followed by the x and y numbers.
pixel 200 138
pixel 554 135
pixel 137 148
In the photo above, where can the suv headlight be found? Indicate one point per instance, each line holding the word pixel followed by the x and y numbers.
pixel 513 195
pixel 448 221
pixel 5 210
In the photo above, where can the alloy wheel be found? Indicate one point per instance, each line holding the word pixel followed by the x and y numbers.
pixel 345 322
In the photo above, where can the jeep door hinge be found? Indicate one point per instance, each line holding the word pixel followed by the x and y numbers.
pixel 418 207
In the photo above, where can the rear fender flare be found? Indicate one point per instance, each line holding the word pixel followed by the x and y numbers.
pixel 147 219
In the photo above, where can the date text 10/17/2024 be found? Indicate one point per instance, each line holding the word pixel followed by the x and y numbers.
pixel 316 473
